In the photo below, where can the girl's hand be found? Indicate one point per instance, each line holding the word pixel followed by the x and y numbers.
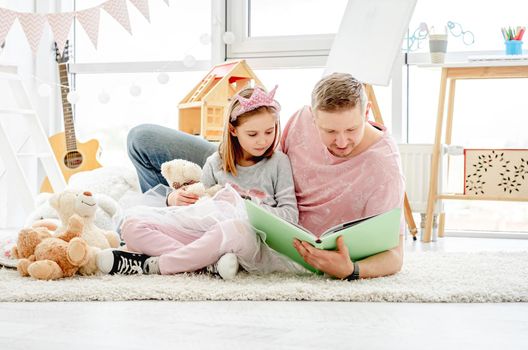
pixel 181 197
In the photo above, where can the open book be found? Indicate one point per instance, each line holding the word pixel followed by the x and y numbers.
pixel 363 237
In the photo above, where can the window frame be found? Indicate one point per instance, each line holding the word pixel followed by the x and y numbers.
pixel 312 49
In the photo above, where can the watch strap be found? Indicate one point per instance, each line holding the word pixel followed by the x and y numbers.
pixel 355 274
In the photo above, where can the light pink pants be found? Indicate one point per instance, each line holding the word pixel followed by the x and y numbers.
pixel 180 251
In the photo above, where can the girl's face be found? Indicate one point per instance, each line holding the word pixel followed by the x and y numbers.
pixel 256 134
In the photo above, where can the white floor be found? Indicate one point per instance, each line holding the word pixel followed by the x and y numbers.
pixel 273 325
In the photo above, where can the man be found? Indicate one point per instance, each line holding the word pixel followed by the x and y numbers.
pixel 344 168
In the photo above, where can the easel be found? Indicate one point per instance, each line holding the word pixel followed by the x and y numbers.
pixel 377 117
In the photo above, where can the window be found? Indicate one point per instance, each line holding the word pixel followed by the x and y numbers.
pixel 173 33
pixel 295 87
pixel 484 20
pixel 294 17
pixel 283 28
pixel 110 122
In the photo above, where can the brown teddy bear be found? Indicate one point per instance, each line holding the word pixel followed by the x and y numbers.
pixel 46 257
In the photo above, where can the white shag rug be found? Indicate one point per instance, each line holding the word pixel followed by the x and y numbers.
pixel 426 277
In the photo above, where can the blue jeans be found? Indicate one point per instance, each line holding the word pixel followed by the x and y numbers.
pixel 150 145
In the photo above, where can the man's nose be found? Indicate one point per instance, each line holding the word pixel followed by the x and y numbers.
pixel 341 140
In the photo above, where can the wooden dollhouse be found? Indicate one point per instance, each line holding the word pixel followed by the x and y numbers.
pixel 202 110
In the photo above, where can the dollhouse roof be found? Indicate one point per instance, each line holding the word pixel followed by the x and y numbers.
pixel 220 77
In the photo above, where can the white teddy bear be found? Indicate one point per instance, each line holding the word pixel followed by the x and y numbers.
pixel 70 202
pixel 107 214
pixel 180 173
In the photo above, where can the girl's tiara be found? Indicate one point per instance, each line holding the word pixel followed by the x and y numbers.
pixel 259 98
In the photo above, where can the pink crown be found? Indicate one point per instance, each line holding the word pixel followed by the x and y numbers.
pixel 258 98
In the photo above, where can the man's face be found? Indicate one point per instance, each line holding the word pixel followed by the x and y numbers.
pixel 341 131
pixel 256 134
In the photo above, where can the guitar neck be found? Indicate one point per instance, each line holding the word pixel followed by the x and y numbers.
pixel 69 128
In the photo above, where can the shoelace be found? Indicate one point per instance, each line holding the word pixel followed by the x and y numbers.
pixel 128 266
pixel 213 268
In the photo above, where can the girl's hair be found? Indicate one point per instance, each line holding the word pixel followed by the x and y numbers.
pixel 230 150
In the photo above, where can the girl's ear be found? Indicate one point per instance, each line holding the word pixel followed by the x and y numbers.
pixel 232 131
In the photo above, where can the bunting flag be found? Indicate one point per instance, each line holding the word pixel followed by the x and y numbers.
pixel 142 6
pixel 33 26
pixel 118 10
pixel 89 20
pixel 6 21
pixel 60 23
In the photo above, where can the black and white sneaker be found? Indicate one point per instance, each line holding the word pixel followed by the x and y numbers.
pixel 125 263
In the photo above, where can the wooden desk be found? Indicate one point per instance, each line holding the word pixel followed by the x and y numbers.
pixel 452 72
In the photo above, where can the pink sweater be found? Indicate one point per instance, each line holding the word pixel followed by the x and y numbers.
pixel 332 190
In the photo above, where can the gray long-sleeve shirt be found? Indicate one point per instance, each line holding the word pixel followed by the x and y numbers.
pixel 270 180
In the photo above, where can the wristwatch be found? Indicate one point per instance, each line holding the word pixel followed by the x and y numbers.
pixel 354 275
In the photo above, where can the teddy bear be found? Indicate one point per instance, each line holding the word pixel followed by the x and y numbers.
pixel 47 257
pixel 70 202
pixel 180 173
pixel 106 216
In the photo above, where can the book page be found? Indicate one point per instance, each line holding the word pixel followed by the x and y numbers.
pixel 344 225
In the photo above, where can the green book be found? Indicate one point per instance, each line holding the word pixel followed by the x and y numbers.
pixel 363 237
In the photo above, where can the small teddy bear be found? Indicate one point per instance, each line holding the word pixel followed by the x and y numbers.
pixel 180 173
pixel 71 202
pixel 46 257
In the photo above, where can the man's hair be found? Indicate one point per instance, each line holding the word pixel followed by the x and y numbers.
pixel 337 92
pixel 230 150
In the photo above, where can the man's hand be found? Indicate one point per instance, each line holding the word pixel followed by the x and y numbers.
pixel 335 263
pixel 181 197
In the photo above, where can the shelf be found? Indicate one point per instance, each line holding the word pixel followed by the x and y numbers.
pixel 472 197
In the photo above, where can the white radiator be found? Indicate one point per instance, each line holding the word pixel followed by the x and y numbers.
pixel 416 163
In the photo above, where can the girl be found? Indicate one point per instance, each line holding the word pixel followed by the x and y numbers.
pixel 187 238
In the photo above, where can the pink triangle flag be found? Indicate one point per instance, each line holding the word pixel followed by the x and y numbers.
pixel 89 20
pixel 142 6
pixel 60 24
pixel 33 26
pixel 118 10
pixel 6 21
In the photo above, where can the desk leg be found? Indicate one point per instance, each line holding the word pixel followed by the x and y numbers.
pixel 448 134
pixel 433 179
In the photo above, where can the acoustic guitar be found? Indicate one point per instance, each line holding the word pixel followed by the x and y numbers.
pixel 71 155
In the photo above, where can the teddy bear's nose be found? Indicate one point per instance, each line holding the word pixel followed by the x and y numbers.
pixel 89 194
